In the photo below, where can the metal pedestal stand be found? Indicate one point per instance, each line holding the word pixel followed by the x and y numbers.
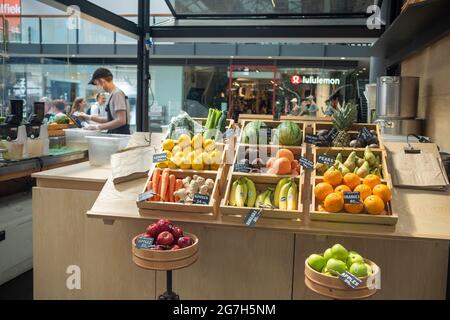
pixel 169 294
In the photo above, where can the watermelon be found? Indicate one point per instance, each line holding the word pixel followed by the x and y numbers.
pixel 289 134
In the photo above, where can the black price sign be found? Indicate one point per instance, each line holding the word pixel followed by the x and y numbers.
pixel 312 138
pixel 350 280
pixel 252 217
pixel 331 135
pixel 200 199
pixel 365 133
pixel 352 197
pixel 307 164
pixel 144 243
pixel 325 159
pixel 146 195
pixel 241 167
pixel 160 157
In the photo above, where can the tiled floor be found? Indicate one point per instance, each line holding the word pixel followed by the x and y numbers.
pixel 20 288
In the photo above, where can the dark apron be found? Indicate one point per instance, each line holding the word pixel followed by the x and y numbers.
pixel 125 129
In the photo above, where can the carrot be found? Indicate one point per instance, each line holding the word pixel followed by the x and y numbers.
pixel 164 184
pixel 178 186
pixel 172 181
pixel 155 179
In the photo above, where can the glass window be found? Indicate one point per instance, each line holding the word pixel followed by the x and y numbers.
pixel 91 33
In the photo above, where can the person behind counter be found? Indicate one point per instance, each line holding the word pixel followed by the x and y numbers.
pixel 78 106
pixel 117 107
pixel 98 108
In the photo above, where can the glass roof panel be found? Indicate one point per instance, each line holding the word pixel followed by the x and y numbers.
pixel 255 8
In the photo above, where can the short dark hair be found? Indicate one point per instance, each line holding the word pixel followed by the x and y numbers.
pixel 59 105
pixel 101 73
pixel 98 95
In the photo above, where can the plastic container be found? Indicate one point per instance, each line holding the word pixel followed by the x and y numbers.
pixel 15 150
pixel 76 138
pixel 103 146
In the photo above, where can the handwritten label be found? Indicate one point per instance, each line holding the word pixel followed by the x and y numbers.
pixel 241 167
pixel 325 159
pixel 365 133
pixel 350 280
pixel 312 138
pixel 252 217
pixel 159 157
pixel 200 199
pixel 144 243
pixel 307 164
pixel 146 195
pixel 352 197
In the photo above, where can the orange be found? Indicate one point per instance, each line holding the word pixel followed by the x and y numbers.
pixel 383 191
pixel 320 208
pixel 364 191
pixel 285 153
pixel 334 202
pixel 372 180
pixel 374 204
pixel 322 189
pixel 352 180
pixel 354 208
pixel 342 188
pixel 333 177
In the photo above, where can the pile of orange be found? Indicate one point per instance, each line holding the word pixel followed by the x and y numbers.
pixel 374 194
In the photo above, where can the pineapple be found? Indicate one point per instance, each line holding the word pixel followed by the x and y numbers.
pixel 343 119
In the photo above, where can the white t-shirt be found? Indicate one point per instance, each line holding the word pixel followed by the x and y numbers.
pixel 98 110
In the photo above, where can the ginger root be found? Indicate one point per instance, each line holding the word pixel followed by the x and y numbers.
pixel 204 190
pixel 209 183
pixel 182 194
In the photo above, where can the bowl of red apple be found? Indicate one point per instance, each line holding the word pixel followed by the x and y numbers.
pixel 164 246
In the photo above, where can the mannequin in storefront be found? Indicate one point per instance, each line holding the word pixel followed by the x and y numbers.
pixel 117 106
pixel 295 110
pixel 311 106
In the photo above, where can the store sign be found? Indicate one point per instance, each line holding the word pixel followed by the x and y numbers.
pixel 12 10
pixel 200 199
pixel 297 79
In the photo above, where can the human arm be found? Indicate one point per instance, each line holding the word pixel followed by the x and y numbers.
pixel 121 120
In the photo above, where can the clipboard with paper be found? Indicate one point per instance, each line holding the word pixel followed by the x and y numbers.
pixel 416 165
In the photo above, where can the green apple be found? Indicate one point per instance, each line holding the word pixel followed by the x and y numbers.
pixel 369 269
pixel 327 254
pixel 359 269
pixel 339 252
pixel 328 274
pixel 336 265
pixel 325 270
pixel 316 261
pixel 353 252
pixel 353 258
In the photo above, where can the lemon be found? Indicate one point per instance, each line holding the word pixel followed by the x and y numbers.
pixel 163 164
pixel 176 149
pixel 190 157
pixel 185 164
pixel 206 158
pixel 197 163
pixel 214 166
pixel 171 164
pixel 187 150
pixel 209 145
pixel 197 141
pixel 184 140
pixel 168 144
pixel 215 156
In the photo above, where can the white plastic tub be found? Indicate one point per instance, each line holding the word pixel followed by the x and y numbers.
pixel 103 146
pixel 76 138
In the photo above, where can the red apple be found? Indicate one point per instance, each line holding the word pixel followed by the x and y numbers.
pixel 159 247
pixel 184 242
pixel 153 230
pixel 165 238
pixel 175 247
pixel 177 232
pixel 164 225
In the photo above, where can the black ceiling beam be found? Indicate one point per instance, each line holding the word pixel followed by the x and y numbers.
pixel 98 15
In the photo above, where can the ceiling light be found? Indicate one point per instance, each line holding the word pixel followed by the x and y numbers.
pixel 343 58
pixel 232 57
pixel 269 57
pixel 364 69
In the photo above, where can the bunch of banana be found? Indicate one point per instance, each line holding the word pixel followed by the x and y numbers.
pixel 286 194
pixel 243 193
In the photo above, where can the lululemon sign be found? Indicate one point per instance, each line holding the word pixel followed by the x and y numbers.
pixel 297 79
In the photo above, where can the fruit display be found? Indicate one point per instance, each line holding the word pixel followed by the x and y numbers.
pixel 186 153
pixel 362 165
pixel 343 119
pixel 244 193
pixel 286 133
pixel 337 259
pixel 166 236
pixel 168 188
pixel 374 195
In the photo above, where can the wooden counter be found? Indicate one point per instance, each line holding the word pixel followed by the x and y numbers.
pixel 236 262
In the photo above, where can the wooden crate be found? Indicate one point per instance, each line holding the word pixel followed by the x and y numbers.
pixel 387 218
pixel 273 125
pixel 325 125
pixel 305 118
pixel 252 117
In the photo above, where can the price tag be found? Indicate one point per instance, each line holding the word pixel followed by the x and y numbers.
pixel 352 197
pixel 350 280
pixel 145 195
pixel 312 138
pixel 307 164
pixel 242 167
pixel 252 217
pixel 144 243
pixel 365 133
pixel 160 157
pixel 325 159
pixel 200 199
pixel 331 134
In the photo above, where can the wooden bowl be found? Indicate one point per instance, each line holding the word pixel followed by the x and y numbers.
pixel 165 259
pixel 333 287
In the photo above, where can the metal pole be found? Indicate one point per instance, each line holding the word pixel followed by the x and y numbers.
pixel 143 76
pixel 169 282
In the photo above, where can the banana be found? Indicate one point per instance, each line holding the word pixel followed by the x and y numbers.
pixel 251 192
pixel 267 201
pixel 292 197
pixel 260 199
pixel 241 194
pixel 232 200
pixel 283 196
pixel 276 196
